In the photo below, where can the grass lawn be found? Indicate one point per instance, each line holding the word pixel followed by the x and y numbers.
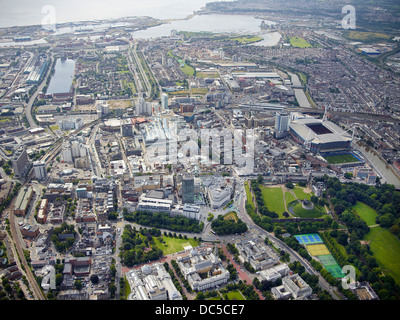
pixel 173 245
pixel 365 36
pixel 386 249
pixel 248 195
pixel 247 39
pixel 179 93
pixel 298 42
pixel 200 91
pixel 207 74
pixel 289 197
pixel 303 78
pixel 300 194
pixel 341 158
pixel 273 199
pixel 235 295
pixel 365 212
pixel 188 70
pixel 232 216
pixel 304 213
pixel 127 288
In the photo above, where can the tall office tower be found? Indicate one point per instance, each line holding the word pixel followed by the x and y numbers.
pixel 187 189
pixel 102 108
pixel 164 101
pixel 126 128
pixel 143 107
pixel 282 121
pixel 19 161
pixel 39 167
pixel 66 152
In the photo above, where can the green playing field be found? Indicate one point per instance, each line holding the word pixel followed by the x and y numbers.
pixel 341 158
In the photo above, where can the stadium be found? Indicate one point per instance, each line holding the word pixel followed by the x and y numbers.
pixel 320 136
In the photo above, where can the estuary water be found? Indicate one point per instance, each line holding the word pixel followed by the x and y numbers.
pixel 29 12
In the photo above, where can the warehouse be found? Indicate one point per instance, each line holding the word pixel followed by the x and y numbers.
pixel 23 199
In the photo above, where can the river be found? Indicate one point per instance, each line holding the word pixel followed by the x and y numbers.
pixel 299 93
pixel 380 166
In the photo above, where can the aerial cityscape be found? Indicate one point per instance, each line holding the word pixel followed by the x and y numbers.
pixel 226 151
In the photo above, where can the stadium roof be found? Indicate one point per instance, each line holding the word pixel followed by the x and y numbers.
pixel 300 126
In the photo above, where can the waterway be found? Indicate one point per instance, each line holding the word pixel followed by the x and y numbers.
pixel 63 76
pixel 380 166
pixel 214 23
pixel 298 92
pixel 269 39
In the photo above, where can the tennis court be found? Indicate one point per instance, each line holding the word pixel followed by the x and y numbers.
pixel 335 271
pixel 310 238
pixel 317 249
pixel 330 264
pixel 327 260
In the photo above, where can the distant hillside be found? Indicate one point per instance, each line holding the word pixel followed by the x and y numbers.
pixel 376 15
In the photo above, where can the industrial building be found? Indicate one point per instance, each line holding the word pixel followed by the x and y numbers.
pixel 23 199
pixel 71 124
pixel 151 282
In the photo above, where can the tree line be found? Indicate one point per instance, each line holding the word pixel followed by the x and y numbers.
pixel 164 221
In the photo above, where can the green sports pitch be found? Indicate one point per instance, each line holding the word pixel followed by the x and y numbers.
pixel 341 158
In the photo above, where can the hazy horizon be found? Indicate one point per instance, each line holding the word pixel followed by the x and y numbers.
pixel 28 12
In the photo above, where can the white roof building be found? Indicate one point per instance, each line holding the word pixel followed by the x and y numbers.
pixel 152 282
pixel 204 262
pixel 292 287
